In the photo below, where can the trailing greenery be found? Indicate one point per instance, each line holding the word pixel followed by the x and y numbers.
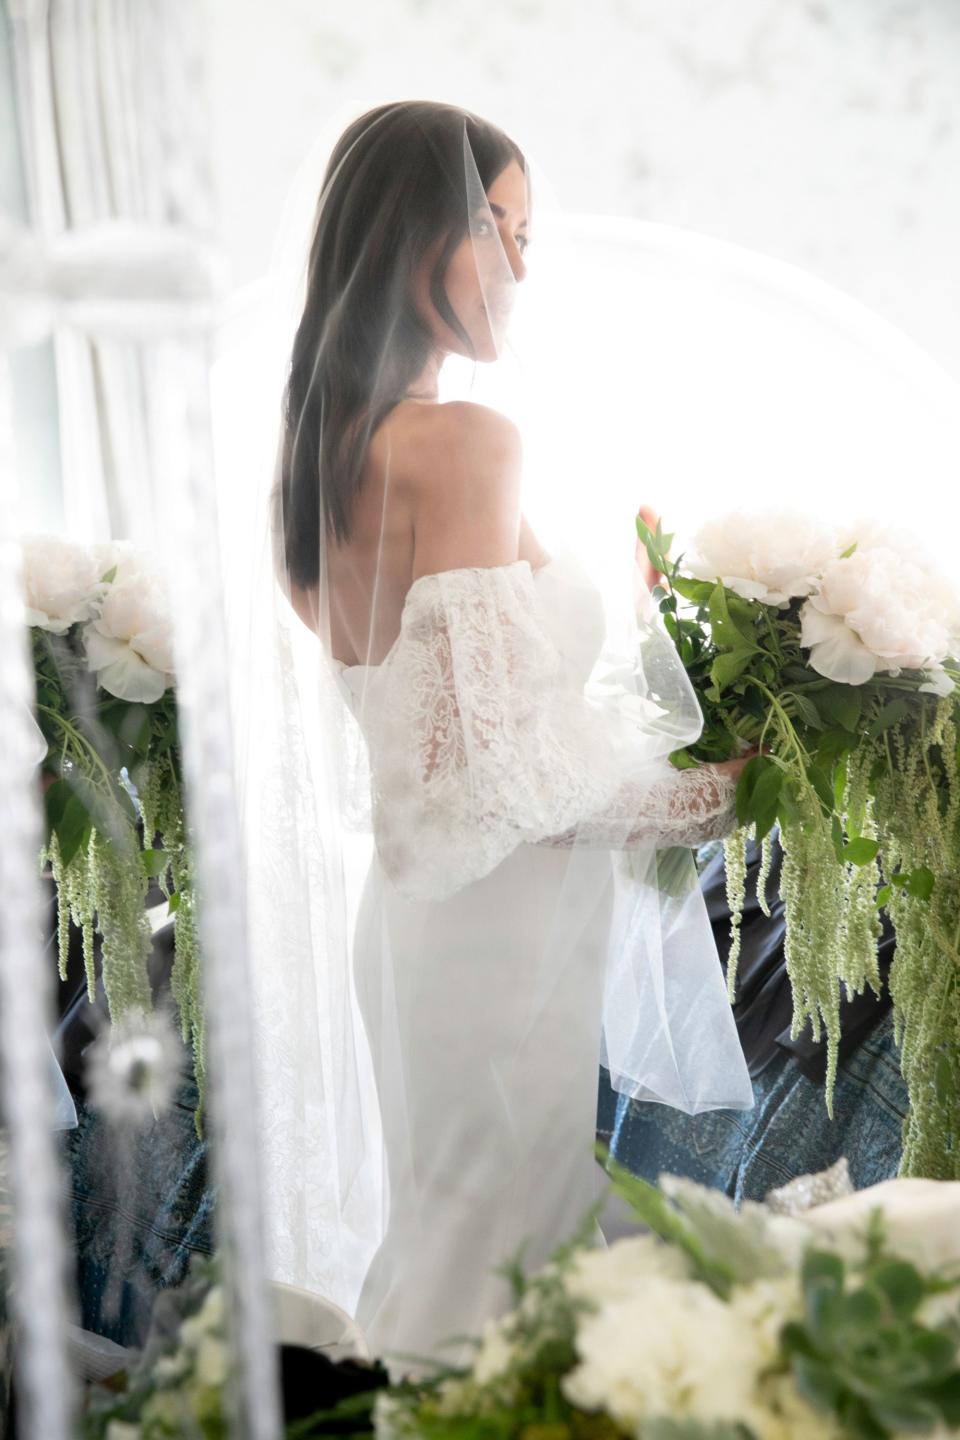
pixel 864 783
pixel 114 827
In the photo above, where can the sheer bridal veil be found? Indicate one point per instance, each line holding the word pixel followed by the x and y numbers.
pixel 439 725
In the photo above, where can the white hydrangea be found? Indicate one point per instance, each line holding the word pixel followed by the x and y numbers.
pixel 496 1352
pixel 874 612
pixel 769 555
pixel 129 642
pixel 673 1348
pixel 60 581
pixel 605 1275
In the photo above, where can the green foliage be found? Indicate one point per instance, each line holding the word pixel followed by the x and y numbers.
pixel 861 1353
pixel 862 782
pixel 105 848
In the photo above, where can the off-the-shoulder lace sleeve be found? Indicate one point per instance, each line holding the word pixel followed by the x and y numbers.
pixel 478 741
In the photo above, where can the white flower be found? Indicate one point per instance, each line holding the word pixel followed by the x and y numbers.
pixel 60 582
pixel 605 1275
pixel 129 643
pixel 766 1306
pixel 770 555
pixel 874 612
pixel 122 1430
pixel 212 1362
pixel 133 1067
pixel 672 1349
pixel 496 1353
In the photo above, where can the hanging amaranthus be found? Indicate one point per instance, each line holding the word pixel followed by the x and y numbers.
pixel 832 654
pixel 112 779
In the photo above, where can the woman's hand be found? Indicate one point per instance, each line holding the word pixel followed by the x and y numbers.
pixel 650 518
pixel 733 768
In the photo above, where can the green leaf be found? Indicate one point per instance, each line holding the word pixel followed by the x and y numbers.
pixel 887 717
pixel 861 1310
pixel 750 777
pixel 788 811
pixel 154 862
pixel 72 823
pixel 820 1265
pixel 946 1397
pixel 765 800
pixel 725 631
pixel 728 666
pixel 901 1284
pixel 903 1412
pixel 920 882
pixel 861 851
pixel 815 1382
pixel 883 896
pixel 699 591
pixel 822 786
pixel 841 705
pixel 807 711
pixel 173 902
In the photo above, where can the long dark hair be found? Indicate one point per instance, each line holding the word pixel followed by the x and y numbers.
pixel 394 187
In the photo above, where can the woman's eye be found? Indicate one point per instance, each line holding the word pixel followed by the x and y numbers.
pixel 522 243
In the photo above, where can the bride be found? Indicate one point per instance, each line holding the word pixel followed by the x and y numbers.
pixel 517 923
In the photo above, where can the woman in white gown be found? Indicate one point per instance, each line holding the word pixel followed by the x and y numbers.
pixel 511 928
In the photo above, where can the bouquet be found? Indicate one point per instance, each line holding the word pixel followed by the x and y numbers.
pixel 105 703
pixel 835 654
pixel 718 1325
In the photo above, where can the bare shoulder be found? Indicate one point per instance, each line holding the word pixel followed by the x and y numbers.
pixel 466 488
pixel 463 438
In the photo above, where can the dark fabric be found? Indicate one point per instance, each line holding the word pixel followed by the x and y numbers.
pixel 788 1132
pixel 763 1008
pixel 140 1205
pixel 139 1214
pixel 747 1153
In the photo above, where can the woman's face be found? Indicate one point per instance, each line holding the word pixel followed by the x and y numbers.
pixel 483 271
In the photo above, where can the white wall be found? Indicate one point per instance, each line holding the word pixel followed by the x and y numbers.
pixel 823 132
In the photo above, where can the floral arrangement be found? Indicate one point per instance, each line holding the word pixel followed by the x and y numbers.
pixel 717 1325
pixel 835 654
pixel 105 703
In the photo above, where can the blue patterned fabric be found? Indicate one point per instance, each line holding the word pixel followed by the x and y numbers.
pixel 788 1133
pixel 138 1215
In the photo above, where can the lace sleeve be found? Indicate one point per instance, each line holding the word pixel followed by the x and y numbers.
pixel 477 743
pixel 674 807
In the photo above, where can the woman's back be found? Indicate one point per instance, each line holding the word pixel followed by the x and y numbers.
pixel 439 490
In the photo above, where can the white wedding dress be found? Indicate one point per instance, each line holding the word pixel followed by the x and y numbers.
pixel 484 1003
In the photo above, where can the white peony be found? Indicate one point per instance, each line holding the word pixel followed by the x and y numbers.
pixel 875 612
pixel 769 555
pixel 129 643
pixel 60 582
pixel 673 1348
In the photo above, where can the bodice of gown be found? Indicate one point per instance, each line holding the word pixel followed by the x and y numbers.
pixel 571 612
pixel 481 735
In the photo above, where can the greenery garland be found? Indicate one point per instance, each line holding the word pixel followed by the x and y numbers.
pixel 863 780
pixel 113 789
